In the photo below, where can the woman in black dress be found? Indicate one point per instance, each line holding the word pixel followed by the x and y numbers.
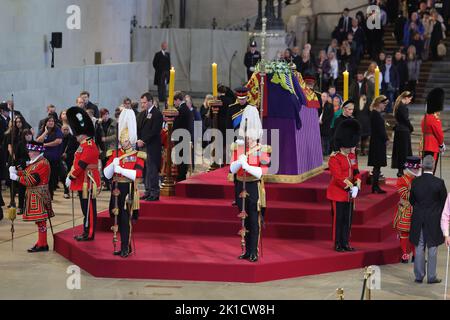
pixel 378 141
pixel 402 132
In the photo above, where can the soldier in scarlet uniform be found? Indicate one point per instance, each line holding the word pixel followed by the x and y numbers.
pixel 345 182
pixel 38 206
pixel 433 136
pixel 249 164
pixel 84 176
pixel 126 170
pixel 402 219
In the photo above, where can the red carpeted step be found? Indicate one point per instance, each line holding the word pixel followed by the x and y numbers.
pixel 372 231
pixel 187 257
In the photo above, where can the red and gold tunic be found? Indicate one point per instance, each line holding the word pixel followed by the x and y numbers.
pixel 131 160
pixel 433 134
pixel 38 205
pixel 84 171
pixel 344 175
pixel 402 218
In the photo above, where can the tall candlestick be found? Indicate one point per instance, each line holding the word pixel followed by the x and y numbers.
pixel 171 87
pixel 346 76
pixel 377 82
pixel 214 79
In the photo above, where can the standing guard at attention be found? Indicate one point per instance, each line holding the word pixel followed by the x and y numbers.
pixel 250 161
pixel 345 182
pixel 125 165
pixel 84 176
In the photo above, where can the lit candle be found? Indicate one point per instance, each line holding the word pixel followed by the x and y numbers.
pixel 171 87
pixel 346 74
pixel 214 79
pixel 377 82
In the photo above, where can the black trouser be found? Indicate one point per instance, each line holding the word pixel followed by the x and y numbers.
pixel 152 176
pixel 182 171
pixel 54 175
pixel 376 177
pixel 342 215
pixel 252 222
pixel 162 91
pixel 123 219
pixel 90 218
pixel 436 156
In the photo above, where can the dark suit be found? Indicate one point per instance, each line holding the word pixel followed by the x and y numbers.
pixel 427 198
pixel 149 125
pixel 161 64
pixel 91 106
pixel 184 120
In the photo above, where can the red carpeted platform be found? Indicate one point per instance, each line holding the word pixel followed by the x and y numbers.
pixel 193 236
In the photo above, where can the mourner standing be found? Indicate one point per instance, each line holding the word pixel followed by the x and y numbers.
pixel 251 59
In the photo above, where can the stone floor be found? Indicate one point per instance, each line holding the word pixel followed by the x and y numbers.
pixel 43 276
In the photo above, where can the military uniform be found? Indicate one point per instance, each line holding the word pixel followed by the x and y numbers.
pixel 432 133
pixel 128 193
pixel 38 205
pixel 251 60
pixel 84 175
pixel 344 185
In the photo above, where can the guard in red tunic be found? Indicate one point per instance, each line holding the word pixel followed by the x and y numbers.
pixel 249 164
pixel 38 206
pixel 345 182
pixel 433 136
pixel 126 170
pixel 402 218
pixel 84 176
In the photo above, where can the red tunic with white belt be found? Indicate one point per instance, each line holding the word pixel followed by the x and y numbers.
pixel 85 162
pixel 433 134
pixel 35 178
pixel 344 175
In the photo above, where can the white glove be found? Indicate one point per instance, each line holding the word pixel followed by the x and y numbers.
pixel 116 162
pixel 12 169
pixel 68 182
pixel 13 176
pixel 354 191
pixel 109 171
pixel 117 169
pixel 242 159
pixel 254 171
pixel 252 69
pixel 443 148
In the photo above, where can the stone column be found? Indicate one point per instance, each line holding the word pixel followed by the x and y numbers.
pixel 300 24
pixel 279 23
pixel 258 22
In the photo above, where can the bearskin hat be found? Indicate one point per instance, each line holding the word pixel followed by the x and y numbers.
pixel 348 134
pixel 435 100
pixel 80 122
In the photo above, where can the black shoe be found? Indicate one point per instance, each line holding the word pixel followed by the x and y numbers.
pixel 152 198
pixel 413 259
pixel 145 196
pixel 244 256
pixel 404 261
pixel 1 214
pixel 253 258
pixel 125 253
pixel 83 238
pixel 80 236
pixel 418 281
pixel 434 281
pixel 399 174
pixel 234 203
pixel 38 249
pixel 348 248
pixel 378 190
pixel 338 248
pixel 117 253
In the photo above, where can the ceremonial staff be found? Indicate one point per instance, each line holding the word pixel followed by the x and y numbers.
pixel 116 194
pixel 243 215
pixel 129 202
pixel 11 212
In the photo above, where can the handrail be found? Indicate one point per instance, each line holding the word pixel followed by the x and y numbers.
pixel 317 15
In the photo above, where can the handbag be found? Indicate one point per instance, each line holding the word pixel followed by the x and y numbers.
pixel 441 50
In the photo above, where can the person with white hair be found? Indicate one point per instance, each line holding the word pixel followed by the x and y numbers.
pixel 125 166
pixel 427 198
pixel 250 161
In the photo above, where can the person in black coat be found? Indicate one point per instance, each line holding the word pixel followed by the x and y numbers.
pixel 436 36
pixel 88 105
pixel 251 59
pixel 149 126
pixel 427 198
pixel 326 116
pixel 347 113
pixel 402 132
pixel 69 147
pixel 344 26
pixel 184 120
pixel 378 141
pixel 161 64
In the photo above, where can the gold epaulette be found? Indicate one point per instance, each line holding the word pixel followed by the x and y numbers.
pixel 266 148
pixel 142 155
pixel 233 104
pixel 109 152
